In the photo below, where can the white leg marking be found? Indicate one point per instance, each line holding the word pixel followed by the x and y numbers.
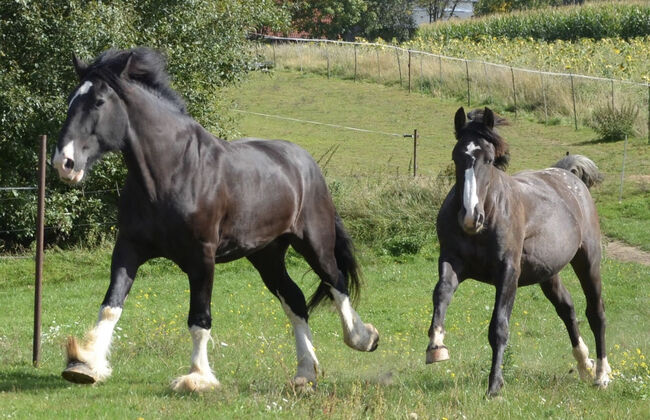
pixel 470 197
pixel 438 337
pixel 83 89
pixel 96 347
pixel 585 364
pixel 602 373
pixel 356 334
pixel 307 361
pixel 200 377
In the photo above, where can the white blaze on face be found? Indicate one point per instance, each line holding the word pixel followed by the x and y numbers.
pixel 470 194
pixel 83 89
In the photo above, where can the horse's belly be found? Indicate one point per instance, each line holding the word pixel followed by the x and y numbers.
pixel 544 259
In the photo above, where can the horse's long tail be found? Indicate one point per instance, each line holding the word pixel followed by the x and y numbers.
pixel 346 263
pixel 582 167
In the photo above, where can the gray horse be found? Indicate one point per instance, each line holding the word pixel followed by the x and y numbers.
pixel 512 231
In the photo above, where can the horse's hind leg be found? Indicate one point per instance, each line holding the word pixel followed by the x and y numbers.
pixel 559 296
pixel 87 362
pixel 318 248
pixel 586 265
pixel 271 265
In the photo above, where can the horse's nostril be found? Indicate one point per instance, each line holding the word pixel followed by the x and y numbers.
pixel 481 219
pixel 68 164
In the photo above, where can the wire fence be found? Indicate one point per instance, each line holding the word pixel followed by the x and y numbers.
pixel 552 96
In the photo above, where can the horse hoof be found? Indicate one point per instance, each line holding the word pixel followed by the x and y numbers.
pixel 302 384
pixel 437 354
pixel 79 373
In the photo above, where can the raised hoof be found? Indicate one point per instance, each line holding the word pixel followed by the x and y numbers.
pixel 437 354
pixel 79 373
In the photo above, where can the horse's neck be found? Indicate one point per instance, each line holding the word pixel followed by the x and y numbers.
pixel 499 196
pixel 158 144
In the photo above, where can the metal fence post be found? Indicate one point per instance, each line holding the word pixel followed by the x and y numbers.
pixel 40 228
pixel 409 71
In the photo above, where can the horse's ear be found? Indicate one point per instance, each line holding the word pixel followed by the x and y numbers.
pixel 488 117
pixel 79 66
pixel 124 74
pixel 459 120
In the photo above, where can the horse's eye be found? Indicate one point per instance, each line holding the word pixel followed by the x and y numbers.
pixel 99 103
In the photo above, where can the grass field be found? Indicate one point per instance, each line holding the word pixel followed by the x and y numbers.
pixel 253 353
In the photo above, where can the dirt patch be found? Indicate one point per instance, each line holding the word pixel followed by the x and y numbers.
pixel 623 252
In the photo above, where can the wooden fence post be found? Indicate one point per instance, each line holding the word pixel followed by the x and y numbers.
pixel 355 62
pixel 469 100
pixel 327 53
pixel 399 66
pixel 514 90
pixel 409 71
pixel 541 76
pixel 573 96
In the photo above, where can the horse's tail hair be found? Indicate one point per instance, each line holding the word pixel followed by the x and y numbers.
pixel 346 263
pixel 582 167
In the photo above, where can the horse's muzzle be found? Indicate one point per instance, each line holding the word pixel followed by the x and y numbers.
pixel 65 167
pixel 471 223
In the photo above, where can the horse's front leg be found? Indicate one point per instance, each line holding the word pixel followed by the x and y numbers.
pixel 442 293
pixel 87 362
pixel 506 285
pixel 199 321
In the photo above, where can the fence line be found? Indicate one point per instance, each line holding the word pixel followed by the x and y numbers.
pixel 279 117
pixel 446 57
pixel 467 77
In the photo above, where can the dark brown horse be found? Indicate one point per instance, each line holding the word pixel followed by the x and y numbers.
pixel 512 231
pixel 197 200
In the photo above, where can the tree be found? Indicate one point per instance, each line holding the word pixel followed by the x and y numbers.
pixel 436 8
pixel 389 19
pixel 348 19
pixel 327 18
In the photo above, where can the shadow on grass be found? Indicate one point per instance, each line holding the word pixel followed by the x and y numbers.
pixel 22 380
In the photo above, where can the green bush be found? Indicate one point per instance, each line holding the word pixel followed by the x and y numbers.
pixel 393 216
pixel 205 42
pixel 613 124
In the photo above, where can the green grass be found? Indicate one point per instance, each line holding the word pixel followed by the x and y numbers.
pixel 255 360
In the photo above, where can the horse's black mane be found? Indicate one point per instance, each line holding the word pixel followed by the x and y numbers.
pixel 473 129
pixel 148 67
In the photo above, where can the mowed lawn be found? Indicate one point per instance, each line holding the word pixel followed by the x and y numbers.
pixel 253 350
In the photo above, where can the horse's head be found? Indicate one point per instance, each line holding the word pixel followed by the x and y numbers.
pixel 96 122
pixel 478 149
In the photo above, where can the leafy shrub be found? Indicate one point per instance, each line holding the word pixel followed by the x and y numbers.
pixel 394 216
pixel 204 40
pixel 613 124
